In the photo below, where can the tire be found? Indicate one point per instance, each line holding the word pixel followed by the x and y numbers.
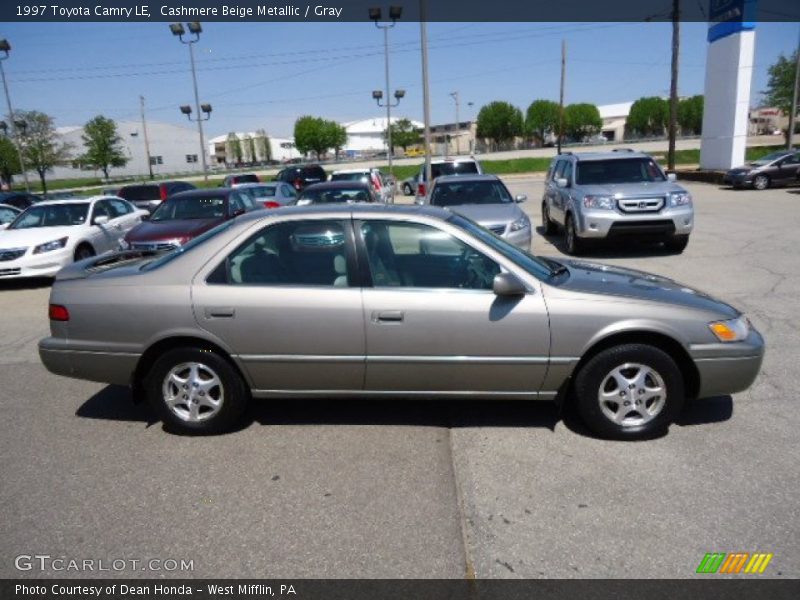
pixel 407 189
pixel 677 243
pixel 213 397
pixel 627 371
pixel 548 227
pixel 760 182
pixel 572 243
pixel 83 251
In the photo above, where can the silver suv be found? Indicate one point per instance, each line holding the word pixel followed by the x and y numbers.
pixel 614 195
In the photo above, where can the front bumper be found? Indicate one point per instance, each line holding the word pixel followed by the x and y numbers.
pixel 728 368
pixel 738 179
pixel 601 224
pixel 46 264
pixel 60 358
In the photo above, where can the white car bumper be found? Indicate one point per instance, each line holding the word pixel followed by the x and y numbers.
pixel 46 264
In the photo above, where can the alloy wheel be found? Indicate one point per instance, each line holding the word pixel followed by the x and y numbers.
pixel 632 394
pixel 193 392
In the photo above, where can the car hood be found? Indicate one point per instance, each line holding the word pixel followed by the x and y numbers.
pixel 656 188
pixel 151 231
pixel 749 167
pixel 488 214
pixel 18 238
pixel 596 278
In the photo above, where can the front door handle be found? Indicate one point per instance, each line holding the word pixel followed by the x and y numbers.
pixel 387 316
pixel 220 312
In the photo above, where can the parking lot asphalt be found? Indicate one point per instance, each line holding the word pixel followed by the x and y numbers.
pixel 424 489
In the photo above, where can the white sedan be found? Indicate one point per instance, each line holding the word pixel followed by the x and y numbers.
pixel 52 234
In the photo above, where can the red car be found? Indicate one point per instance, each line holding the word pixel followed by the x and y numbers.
pixel 186 215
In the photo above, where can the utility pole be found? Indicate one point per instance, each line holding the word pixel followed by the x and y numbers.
pixel 5 48
pixel 426 100
pixel 561 95
pixel 458 122
pixel 673 86
pixel 793 111
pixel 146 140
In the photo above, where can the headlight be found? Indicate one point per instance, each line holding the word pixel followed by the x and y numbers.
pixel 603 202
pixel 733 330
pixel 303 202
pixel 680 199
pixel 50 246
pixel 520 223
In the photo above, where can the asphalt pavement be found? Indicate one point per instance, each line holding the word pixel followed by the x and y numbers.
pixel 353 488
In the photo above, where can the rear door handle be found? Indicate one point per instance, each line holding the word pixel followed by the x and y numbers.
pixel 387 316
pixel 220 312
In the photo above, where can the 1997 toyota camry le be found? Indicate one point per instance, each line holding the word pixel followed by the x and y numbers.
pixel 389 301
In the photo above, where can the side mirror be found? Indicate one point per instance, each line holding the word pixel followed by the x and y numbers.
pixel 100 220
pixel 562 182
pixel 506 284
pixel 521 198
pixel 672 177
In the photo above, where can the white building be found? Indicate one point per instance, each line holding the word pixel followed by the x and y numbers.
pixel 614 117
pixel 221 153
pixel 173 149
pixel 366 136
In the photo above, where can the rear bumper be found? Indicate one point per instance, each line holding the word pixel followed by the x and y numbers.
pixel 601 224
pixel 105 367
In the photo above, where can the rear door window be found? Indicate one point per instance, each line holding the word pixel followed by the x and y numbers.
pixel 139 193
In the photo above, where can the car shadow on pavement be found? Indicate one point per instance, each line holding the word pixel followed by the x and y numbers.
pixel 706 411
pixel 115 403
pixel 26 283
pixel 606 249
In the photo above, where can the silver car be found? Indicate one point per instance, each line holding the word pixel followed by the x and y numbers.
pixel 381 301
pixel 486 200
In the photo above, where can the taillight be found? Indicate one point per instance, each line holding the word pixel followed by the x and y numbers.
pixel 420 189
pixel 163 192
pixel 271 204
pixel 298 183
pixel 58 313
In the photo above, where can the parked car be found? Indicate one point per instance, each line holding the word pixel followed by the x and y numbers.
pixel 486 200
pixel 409 184
pixel 7 214
pixel 53 233
pixel 20 200
pixel 359 300
pixel 778 168
pixel 150 195
pixel 613 195
pixel 446 166
pixel 186 215
pixel 381 187
pixel 301 175
pixel 232 180
pixel 271 195
pixel 337 192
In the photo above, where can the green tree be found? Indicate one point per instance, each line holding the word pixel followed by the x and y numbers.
pixel 313 134
pixel 780 85
pixel 581 121
pixel 9 160
pixel 404 134
pixel 104 148
pixel 249 149
pixel 263 147
pixel 690 115
pixel 500 122
pixel 541 119
pixel 233 148
pixel 648 117
pixel 42 147
pixel 337 136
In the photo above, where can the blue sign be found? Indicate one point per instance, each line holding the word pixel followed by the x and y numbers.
pixel 729 17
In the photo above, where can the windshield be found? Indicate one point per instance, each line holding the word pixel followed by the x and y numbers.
pixel 765 160
pixel 532 264
pixel 350 177
pixel 333 195
pixel 52 215
pixel 629 170
pixel 193 207
pixel 470 192
pixel 261 191
pixel 187 247
pixel 454 168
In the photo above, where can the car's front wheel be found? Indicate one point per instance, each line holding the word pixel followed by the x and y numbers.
pixel 548 227
pixel 677 243
pixel 761 182
pixel 572 243
pixel 630 391
pixel 407 190
pixel 196 391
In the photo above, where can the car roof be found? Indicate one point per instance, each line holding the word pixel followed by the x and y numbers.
pixel 459 159
pixel 9 206
pixel 345 171
pixel 612 155
pixel 249 184
pixel 88 199
pixel 465 178
pixel 203 193
pixel 335 185
pixel 153 183
pixel 377 209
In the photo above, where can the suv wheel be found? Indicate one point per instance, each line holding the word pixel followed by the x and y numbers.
pixel 196 391
pixel 548 227
pixel 761 182
pixel 628 392
pixel 677 243
pixel 407 189
pixel 572 243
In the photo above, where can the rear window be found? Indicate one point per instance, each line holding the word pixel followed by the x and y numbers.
pixel 454 168
pixel 250 178
pixel 357 193
pixel 137 193
pixel 191 207
pixel 350 177
pixel 314 173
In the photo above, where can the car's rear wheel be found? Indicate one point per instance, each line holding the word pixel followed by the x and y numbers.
pixel 760 182
pixel 83 252
pixel 407 189
pixel 630 391
pixel 196 391
pixel 548 227
pixel 572 243
pixel 677 243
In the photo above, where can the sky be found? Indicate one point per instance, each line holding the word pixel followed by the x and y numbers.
pixel 265 75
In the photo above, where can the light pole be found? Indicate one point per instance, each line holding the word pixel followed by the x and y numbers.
pixel 458 121
pixel 5 48
pixel 195 29
pixel 395 12
pixel 426 99
pixel 205 109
